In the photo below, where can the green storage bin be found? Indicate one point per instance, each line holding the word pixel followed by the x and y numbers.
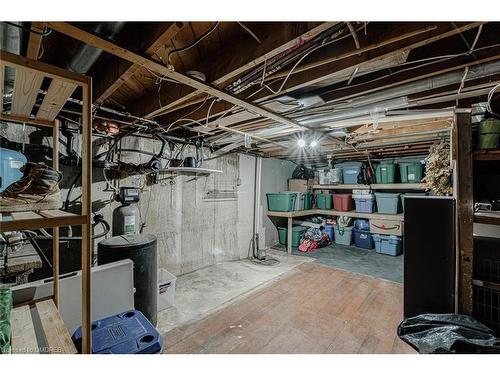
pixel 308 201
pixel 488 134
pixel 297 234
pixel 411 172
pixel 281 201
pixel 324 201
pixel 385 173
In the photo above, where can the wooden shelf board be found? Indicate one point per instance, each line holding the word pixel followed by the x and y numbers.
pixel 317 211
pixel 485 217
pixel 372 187
pixel 50 327
pixel 28 220
pixel 486 155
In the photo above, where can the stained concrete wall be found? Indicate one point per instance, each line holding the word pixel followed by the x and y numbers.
pixel 193 231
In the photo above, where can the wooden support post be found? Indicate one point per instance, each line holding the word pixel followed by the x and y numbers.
pixel 464 208
pixel 55 230
pixel 289 236
pixel 86 211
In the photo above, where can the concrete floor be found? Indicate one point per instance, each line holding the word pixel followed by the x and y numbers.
pixel 210 289
pixel 355 259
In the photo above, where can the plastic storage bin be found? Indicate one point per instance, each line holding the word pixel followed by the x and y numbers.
pixel 488 134
pixel 411 172
pixel 330 230
pixel 343 235
pixel 385 173
pixel 297 234
pixel 363 238
pixel 364 203
pixel 342 202
pixel 166 289
pixel 281 201
pixel 363 224
pixel 387 203
pixel 125 333
pixel 350 173
pixel 336 175
pixel 388 244
pixel 324 201
pixel 307 201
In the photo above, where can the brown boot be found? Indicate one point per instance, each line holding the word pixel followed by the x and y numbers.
pixel 38 189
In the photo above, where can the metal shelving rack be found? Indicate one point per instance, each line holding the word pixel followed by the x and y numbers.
pixel 28 80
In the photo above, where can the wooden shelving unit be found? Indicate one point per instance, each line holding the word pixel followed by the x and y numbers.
pixel 486 155
pixel 29 75
pixel 372 187
pixel 485 217
pixel 318 211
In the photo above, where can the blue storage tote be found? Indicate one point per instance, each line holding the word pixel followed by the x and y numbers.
pixel 330 230
pixel 281 201
pixel 350 173
pixel 363 238
pixel 343 235
pixel 387 203
pixel 363 224
pixel 127 333
pixel 364 203
pixel 388 244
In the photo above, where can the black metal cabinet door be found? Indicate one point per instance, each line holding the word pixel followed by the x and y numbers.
pixel 429 255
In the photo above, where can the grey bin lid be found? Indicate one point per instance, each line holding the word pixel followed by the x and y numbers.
pixel 128 241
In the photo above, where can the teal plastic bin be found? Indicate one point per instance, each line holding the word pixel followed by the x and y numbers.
pixel 411 172
pixel 281 201
pixel 387 203
pixel 343 235
pixel 385 173
pixel 324 201
pixel 297 234
pixel 388 245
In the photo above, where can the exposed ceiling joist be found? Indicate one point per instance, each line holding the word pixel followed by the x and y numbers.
pixel 115 79
pixel 135 58
pixel 236 60
pixel 35 40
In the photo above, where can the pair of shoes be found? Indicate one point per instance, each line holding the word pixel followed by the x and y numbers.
pixel 37 190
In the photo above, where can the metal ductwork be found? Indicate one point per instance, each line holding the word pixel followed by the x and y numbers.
pixel 388 99
pixel 86 56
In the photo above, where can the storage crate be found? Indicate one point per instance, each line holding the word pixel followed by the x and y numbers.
pixel 488 134
pixel 364 203
pixel 166 289
pixel 402 197
pixel 387 203
pixel 308 201
pixel 363 224
pixel 363 238
pixel 336 175
pixel 388 244
pixel 411 172
pixel 385 173
pixel 297 234
pixel 343 235
pixel 330 230
pixel 342 202
pixel 350 173
pixel 384 226
pixel 300 200
pixel 324 201
pixel 125 333
pixel 281 201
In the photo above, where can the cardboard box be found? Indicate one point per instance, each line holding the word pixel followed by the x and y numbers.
pixel 302 186
pixel 382 226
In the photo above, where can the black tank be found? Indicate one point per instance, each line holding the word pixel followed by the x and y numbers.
pixel 141 249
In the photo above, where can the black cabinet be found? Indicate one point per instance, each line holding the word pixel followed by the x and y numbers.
pixel 429 255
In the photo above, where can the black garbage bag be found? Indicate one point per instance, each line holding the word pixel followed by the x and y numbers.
pixel 448 333
pixel 301 172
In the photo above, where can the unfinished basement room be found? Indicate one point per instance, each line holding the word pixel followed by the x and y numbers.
pixel 249 186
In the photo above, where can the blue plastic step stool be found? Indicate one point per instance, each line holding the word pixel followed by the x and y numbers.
pixel 127 333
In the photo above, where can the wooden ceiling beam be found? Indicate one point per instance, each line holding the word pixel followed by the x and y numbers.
pixel 114 78
pixel 146 62
pixel 326 71
pixel 35 40
pixel 232 62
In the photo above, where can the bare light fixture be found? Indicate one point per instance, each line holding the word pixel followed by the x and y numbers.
pixel 301 142
pixel 314 143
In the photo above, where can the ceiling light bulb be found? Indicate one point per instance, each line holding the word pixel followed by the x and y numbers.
pixel 301 142
pixel 314 143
